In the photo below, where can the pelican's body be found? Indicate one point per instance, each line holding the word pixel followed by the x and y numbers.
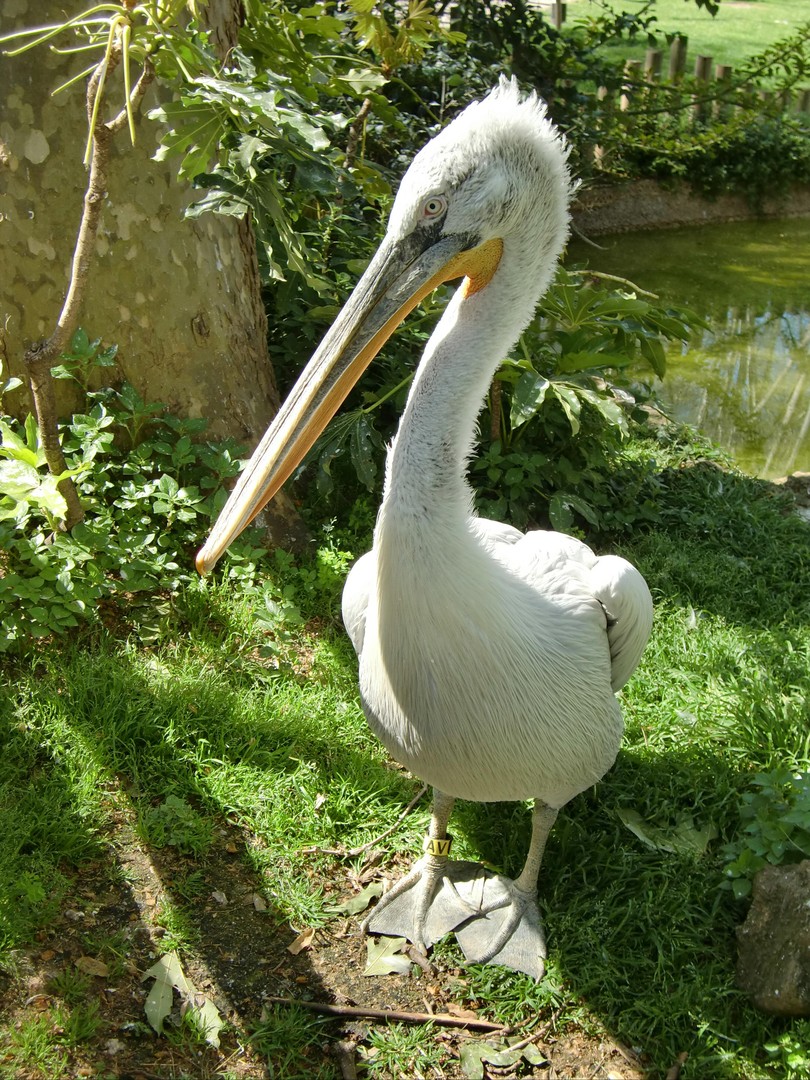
pixel 485 664
pixel 489 660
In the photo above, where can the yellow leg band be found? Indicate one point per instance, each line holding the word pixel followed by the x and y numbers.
pixel 439 847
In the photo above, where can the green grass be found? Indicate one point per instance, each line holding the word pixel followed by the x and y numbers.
pixel 200 729
pixel 730 37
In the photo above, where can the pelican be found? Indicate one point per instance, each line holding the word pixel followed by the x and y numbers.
pixel 489 660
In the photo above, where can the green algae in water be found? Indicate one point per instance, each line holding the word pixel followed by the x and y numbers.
pixel 746 381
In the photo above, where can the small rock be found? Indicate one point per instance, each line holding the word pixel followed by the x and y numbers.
pixel 773 964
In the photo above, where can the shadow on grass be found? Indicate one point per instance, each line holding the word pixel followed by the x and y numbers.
pixel 728 544
pixel 278 762
pixel 643 937
pixel 111 736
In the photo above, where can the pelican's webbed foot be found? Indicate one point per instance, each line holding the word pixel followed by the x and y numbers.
pixel 507 931
pixel 435 897
pixel 495 919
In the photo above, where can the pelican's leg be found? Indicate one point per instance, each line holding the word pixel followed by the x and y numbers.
pixel 508 931
pixel 425 905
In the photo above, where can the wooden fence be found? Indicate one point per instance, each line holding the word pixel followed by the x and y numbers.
pixel 651 68
pixel 704 72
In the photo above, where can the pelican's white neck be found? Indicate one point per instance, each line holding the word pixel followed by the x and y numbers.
pixel 428 460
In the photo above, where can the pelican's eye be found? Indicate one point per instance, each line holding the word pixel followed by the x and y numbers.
pixel 434 207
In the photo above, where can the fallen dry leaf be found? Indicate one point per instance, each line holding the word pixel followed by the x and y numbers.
pixel 385 957
pixel 169 976
pixel 90 966
pixel 460 1012
pixel 303 941
pixel 353 905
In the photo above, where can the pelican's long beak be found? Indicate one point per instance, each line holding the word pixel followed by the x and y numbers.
pixel 400 275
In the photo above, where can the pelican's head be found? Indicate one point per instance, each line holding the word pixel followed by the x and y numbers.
pixel 496 176
pixel 498 170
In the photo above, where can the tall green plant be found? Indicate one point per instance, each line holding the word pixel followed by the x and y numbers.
pixel 150 488
pixel 559 409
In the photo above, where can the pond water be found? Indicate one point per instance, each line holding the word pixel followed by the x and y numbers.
pixel 746 381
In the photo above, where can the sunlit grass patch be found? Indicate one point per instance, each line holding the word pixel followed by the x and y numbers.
pixel 202 735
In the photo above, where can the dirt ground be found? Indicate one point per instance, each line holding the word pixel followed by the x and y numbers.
pixel 111 929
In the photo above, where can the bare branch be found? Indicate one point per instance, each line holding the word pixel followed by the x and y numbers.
pixel 442 1019
pixel 41 357
pixel 135 98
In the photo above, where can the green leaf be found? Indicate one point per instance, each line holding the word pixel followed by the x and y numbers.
pixel 560 509
pixel 207 1015
pixel 361 447
pixel 527 397
pixel 195 130
pixel 570 402
pixel 32 438
pixel 361 80
pixel 168 975
pixel 470 1060
pixel 14 447
pixel 10 384
pixel 653 352
pixel 18 479
pixel 474 1053
pixel 685 838
pixel 80 343
pixel 61 372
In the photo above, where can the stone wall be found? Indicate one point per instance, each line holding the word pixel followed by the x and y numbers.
pixel 644 204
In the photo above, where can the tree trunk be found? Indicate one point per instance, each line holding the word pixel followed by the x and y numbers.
pixel 180 297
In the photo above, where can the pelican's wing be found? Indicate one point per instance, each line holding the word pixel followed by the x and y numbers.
pixel 494 533
pixel 560 565
pixel 626 599
pixel 552 562
pixel 356 593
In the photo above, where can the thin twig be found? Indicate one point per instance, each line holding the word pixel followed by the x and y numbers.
pixel 599 275
pixel 495 394
pixel 442 1019
pixel 586 239
pixel 538 1035
pixel 40 357
pixel 355 131
pixel 343 853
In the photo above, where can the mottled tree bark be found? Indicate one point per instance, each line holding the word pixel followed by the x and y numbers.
pixel 180 297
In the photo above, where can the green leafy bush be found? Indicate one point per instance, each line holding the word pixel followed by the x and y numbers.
pixel 174 823
pixel 150 491
pixel 776 827
pixel 552 432
pixel 150 487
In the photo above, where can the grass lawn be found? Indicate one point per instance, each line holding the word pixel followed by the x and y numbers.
pixel 210 793
pixel 737 31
